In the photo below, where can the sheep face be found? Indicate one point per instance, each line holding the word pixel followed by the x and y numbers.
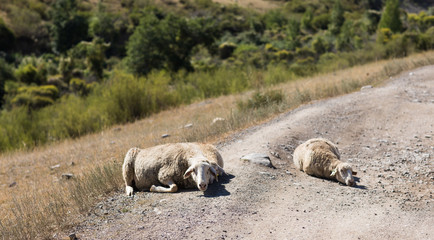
pixel 344 174
pixel 202 173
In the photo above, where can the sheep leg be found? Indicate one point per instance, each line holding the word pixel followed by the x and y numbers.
pixel 128 178
pixel 128 171
pixel 171 189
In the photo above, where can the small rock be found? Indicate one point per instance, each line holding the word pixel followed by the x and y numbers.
pixel 67 176
pixel 72 164
pixel 157 211
pixel 165 135
pixel 188 125
pixel 55 166
pixel 258 158
pixel 72 236
pixel 13 184
pixel 411 74
pixel 427 136
pixel 275 154
pixel 217 119
pixel 366 87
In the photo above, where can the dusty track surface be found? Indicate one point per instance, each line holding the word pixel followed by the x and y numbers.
pixel 385 132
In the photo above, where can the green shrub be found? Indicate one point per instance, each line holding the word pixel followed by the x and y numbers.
pixel 274 19
pixel 102 26
pixel 391 16
pixel 284 55
pixel 320 46
pixel 129 98
pixel 72 117
pixel 384 35
pixel 345 39
pixel 79 86
pixel 69 26
pixel 332 62
pixel 35 96
pixel 306 20
pixel 428 22
pixel 372 17
pixel 337 18
pixel 277 74
pixel 167 43
pixel 304 67
pixel 259 100
pixel 245 48
pixel 270 48
pixel 6 74
pixel 29 74
pixel 321 21
pixel 219 82
pixel 19 130
pixel 296 6
pixel 305 52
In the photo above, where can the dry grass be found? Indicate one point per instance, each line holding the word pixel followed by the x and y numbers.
pixel 41 202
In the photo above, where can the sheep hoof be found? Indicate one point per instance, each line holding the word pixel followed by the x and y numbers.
pixel 153 188
pixel 129 190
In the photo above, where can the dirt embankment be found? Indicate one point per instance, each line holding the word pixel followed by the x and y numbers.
pixel 385 132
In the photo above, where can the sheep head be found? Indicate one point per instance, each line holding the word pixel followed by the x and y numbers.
pixel 344 174
pixel 202 173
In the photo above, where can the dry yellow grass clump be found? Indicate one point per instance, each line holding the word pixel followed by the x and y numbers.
pixel 36 200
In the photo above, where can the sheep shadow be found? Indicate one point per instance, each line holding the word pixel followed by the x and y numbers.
pixel 357 180
pixel 218 189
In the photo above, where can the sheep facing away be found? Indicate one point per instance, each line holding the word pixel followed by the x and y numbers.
pixel 174 165
pixel 321 158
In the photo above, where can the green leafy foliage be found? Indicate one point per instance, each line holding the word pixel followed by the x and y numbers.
pixel 259 100
pixel 321 21
pixel 275 19
pixel 391 16
pixel 306 20
pixel 6 74
pixel 177 53
pixel 69 28
pixel 384 35
pixel 29 74
pixel 167 43
pixel 35 97
pixel 337 17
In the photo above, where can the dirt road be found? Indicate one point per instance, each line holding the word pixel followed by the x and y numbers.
pixel 385 132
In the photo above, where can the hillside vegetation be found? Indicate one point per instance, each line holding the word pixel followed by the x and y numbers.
pixel 73 67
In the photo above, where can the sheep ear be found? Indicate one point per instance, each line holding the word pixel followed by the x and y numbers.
pixel 354 173
pixel 187 173
pixel 221 170
pixel 213 171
